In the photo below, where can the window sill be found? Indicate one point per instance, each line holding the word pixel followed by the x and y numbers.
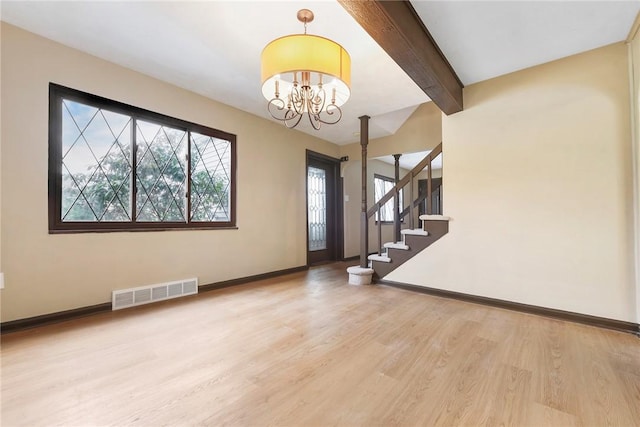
pixel 136 230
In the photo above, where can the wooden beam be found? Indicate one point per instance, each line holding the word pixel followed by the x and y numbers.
pixel 398 29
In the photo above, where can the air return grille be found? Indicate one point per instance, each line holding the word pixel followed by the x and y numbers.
pixel 147 294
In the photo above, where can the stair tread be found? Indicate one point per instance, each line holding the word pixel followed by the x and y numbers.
pixel 414 232
pixel 381 258
pixel 396 245
pixel 434 218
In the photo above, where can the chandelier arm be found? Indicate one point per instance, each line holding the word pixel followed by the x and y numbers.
pixel 314 121
pixel 330 111
pixel 276 107
pixel 292 117
pixel 278 111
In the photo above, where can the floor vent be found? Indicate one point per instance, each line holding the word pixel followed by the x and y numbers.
pixel 125 298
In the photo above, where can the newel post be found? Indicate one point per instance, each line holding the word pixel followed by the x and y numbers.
pixel 364 221
pixel 396 199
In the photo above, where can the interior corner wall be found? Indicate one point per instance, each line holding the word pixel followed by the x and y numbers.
pixel 538 181
pixel 634 73
pixel 48 273
pixel 421 131
pixel 1 270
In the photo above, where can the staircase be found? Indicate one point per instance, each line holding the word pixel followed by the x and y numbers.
pixel 395 254
pixel 411 240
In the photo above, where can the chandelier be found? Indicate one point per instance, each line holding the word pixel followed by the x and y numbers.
pixel 305 75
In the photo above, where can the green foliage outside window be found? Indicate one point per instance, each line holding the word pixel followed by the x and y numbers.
pixel 175 175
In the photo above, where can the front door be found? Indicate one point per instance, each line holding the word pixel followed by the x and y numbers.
pixel 322 209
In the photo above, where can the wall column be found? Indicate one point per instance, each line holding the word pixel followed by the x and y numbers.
pixel 364 222
pixel 396 199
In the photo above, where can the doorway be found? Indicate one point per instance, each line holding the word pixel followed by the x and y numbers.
pixel 324 209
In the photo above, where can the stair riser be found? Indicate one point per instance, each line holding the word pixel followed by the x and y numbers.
pixel 436 230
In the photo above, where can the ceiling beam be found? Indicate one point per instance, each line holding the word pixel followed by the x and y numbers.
pixel 398 29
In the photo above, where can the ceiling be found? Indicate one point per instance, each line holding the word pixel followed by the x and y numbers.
pixel 213 47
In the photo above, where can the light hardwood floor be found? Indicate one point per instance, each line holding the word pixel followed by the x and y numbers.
pixel 309 349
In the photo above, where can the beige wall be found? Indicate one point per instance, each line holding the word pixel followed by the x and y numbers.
pixel 421 132
pixel 538 180
pixel 1 270
pixel 634 72
pixel 48 273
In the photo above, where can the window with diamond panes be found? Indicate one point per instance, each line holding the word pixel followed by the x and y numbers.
pixel 117 167
pixel 210 178
pixel 161 177
pixel 96 164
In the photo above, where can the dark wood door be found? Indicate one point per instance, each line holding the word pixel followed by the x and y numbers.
pixel 323 227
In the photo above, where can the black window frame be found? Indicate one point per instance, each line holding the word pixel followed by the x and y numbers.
pixel 56 94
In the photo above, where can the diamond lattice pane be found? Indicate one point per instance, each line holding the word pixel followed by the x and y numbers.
pixel 160 174
pixel 210 178
pixel 317 208
pixel 96 164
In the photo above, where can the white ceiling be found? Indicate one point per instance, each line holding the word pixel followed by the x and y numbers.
pixel 213 47
pixel 486 39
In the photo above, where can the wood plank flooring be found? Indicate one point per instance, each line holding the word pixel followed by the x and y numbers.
pixel 308 349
